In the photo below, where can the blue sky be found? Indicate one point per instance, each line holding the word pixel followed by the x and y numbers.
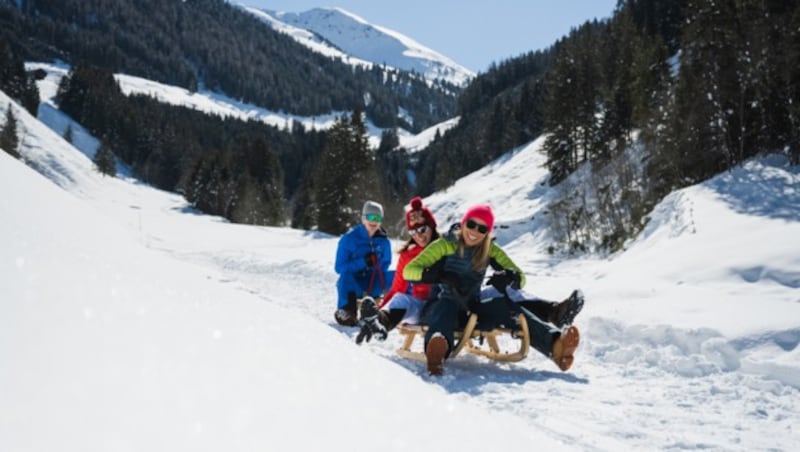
pixel 473 33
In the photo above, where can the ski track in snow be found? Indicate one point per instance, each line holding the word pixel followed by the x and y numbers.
pixel 669 391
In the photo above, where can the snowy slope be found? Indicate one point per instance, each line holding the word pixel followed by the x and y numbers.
pixel 108 342
pixel 127 313
pixel 340 34
pixel 217 104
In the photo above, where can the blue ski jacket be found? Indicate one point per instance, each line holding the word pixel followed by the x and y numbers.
pixel 355 244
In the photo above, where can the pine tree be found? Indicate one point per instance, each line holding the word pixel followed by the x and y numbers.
pixel 560 111
pixel 14 81
pixel 346 175
pixel 259 185
pixel 9 141
pixel 616 125
pixel 364 173
pixel 332 181
pixel 105 160
pixel 706 122
pixel 68 134
pixel 791 79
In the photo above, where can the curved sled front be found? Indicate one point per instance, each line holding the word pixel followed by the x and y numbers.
pixel 464 339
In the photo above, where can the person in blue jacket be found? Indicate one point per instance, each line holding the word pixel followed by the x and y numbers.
pixel 363 256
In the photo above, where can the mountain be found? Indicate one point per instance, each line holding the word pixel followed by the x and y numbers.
pixel 217 104
pixel 131 322
pixel 214 45
pixel 341 34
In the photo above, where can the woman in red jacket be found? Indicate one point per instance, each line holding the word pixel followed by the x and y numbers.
pixel 405 299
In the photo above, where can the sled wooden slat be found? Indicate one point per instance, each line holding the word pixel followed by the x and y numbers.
pixel 464 339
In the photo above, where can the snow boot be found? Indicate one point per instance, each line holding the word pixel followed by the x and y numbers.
pixel 346 315
pixel 564 313
pixel 435 352
pixel 370 322
pixel 564 348
pixel 345 318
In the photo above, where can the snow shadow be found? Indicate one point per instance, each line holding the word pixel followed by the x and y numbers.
pixel 787 340
pixel 471 374
pixel 767 187
pixel 776 275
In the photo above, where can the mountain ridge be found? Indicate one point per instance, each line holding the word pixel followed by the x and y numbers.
pixel 328 30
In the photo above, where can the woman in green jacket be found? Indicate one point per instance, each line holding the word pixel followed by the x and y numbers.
pixel 458 261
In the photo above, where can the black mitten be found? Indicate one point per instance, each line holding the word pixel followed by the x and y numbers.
pixel 369 328
pixel 516 279
pixel 451 279
pixel 365 333
pixel 502 279
pixel 370 325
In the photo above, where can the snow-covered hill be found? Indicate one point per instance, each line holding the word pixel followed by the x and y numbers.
pixel 217 104
pixel 341 34
pixel 130 322
pixel 110 340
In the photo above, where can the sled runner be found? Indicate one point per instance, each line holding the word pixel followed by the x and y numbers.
pixel 465 339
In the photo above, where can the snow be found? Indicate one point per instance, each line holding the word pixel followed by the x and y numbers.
pixel 129 321
pixel 213 103
pixel 337 33
pixel 414 143
pixel 306 37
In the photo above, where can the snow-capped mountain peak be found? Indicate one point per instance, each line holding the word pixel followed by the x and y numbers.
pixel 339 33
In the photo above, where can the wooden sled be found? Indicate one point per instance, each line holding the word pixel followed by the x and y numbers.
pixel 465 339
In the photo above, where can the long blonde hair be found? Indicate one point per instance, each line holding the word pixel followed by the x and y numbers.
pixel 480 254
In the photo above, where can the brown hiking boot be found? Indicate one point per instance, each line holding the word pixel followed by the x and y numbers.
pixel 564 348
pixel 435 352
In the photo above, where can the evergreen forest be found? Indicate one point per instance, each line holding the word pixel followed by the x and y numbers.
pixel 660 96
pixel 699 85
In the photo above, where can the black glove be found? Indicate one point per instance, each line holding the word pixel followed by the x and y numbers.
pixel 371 259
pixel 369 323
pixel 433 274
pixel 502 279
pixel 371 327
pixel 452 279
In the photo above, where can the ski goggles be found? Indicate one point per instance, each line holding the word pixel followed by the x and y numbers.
pixel 482 228
pixel 420 230
pixel 374 217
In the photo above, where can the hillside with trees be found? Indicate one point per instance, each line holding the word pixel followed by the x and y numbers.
pixel 215 45
pixel 662 95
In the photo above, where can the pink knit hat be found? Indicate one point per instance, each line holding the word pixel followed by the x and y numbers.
pixel 481 212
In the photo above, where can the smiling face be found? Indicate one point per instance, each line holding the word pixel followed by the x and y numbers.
pixel 474 232
pixel 370 222
pixel 422 235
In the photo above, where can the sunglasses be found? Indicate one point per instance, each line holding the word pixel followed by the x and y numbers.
pixel 482 228
pixel 373 217
pixel 420 230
